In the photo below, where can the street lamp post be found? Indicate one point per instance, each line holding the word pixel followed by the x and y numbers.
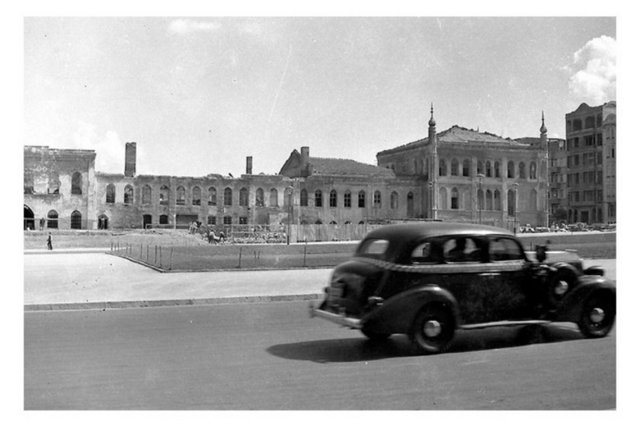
pixel 515 207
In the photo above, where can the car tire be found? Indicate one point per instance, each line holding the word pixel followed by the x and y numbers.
pixel 375 337
pixel 597 315
pixel 433 329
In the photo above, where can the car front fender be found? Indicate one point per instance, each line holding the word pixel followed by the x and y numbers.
pixel 396 314
pixel 570 307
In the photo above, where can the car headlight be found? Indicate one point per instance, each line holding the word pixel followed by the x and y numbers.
pixel 561 288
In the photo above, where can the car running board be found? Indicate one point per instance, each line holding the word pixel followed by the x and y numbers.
pixel 502 324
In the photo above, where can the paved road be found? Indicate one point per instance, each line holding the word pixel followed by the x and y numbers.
pixel 272 356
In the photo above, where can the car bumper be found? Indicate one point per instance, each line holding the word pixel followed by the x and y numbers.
pixel 340 319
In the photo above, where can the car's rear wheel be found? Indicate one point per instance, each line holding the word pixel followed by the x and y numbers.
pixel 433 329
pixel 598 315
pixel 374 336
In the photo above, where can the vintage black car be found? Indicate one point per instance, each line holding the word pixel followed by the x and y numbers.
pixel 427 280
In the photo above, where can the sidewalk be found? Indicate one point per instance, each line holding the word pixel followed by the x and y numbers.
pixel 81 279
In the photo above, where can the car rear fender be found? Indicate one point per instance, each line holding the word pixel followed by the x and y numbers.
pixel 396 314
pixel 570 307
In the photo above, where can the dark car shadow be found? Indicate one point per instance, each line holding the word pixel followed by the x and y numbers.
pixel 359 349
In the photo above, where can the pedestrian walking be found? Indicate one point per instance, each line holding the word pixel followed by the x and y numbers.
pixel 49 243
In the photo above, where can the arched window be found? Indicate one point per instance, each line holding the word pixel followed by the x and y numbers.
pixel 213 196
pixel 304 198
pixel 244 197
pixel 259 197
pixel 497 200
pixel 522 174
pixel 146 194
pixel 410 204
pixel 196 196
pixel 318 222
pixel 333 222
pixel 532 170
pixel 362 199
pixel 511 202
pixel 273 197
pixel 454 167
pixel 54 182
pixel 454 199
pixel 487 168
pixel 466 165
pixel 489 200
pixel 164 194
pixel 103 221
pixel 442 169
pixel 228 196
pixel 128 194
pixel 76 184
pixel 480 197
pixel 52 219
pixel 318 198
pixel 347 199
pixel 180 196
pixel 496 169
pixel 164 219
pixel 511 172
pixel 76 220
pixel 333 198
pixel 394 200
pixel 111 193
pixel 533 200
pixel 377 199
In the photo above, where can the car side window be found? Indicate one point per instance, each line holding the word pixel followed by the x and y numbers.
pixel 461 249
pixel 425 253
pixel 503 249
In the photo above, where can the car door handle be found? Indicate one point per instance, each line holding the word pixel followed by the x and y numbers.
pixel 489 274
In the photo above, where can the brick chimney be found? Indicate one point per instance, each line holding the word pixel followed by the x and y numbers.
pixel 130 159
pixel 249 165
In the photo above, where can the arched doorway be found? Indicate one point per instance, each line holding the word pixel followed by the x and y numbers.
pixel 28 218
pixel 103 221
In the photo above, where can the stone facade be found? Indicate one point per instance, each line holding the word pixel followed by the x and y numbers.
pixel 458 174
pixel 466 175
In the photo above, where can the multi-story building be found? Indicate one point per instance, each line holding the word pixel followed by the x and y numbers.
pixel 465 175
pixel 458 174
pixel 591 164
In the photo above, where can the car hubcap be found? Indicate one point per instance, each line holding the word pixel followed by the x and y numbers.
pixel 596 315
pixel 432 328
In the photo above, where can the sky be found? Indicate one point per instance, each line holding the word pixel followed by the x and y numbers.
pixel 200 94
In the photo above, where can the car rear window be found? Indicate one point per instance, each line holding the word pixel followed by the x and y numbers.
pixel 373 248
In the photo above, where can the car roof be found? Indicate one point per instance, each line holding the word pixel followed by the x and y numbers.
pixel 407 231
pixel 402 235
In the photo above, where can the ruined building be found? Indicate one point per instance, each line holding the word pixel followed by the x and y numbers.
pixel 458 174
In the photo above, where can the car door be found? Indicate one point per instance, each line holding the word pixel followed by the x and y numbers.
pixel 510 279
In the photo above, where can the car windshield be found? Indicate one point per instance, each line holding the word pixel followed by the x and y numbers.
pixel 375 248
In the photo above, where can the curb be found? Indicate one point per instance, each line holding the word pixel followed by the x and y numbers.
pixel 170 302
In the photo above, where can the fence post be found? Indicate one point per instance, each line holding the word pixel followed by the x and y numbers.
pixel 160 256
pixel 140 251
pixel 147 253
pixel 155 259
pixel 170 258
pixel 240 259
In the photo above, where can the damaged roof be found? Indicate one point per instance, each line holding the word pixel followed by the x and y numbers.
pixel 339 166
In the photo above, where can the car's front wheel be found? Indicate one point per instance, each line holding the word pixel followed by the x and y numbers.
pixel 433 329
pixel 598 315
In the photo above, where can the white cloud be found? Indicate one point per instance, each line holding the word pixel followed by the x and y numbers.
pixel 186 26
pixel 593 78
pixel 109 147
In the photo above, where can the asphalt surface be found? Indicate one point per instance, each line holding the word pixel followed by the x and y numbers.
pixel 94 280
pixel 272 356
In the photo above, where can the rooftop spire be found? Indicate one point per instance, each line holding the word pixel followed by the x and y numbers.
pixel 432 122
pixel 543 129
